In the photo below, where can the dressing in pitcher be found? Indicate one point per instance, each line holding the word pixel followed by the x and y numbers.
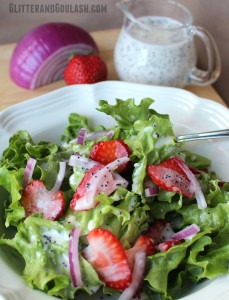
pixel 156 45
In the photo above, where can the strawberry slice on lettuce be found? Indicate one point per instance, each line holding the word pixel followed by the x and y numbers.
pixel 36 198
pixel 99 179
pixel 107 151
pixel 175 176
pixel 107 255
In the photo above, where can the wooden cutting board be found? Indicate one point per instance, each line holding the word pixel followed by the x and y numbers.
pixel 11 94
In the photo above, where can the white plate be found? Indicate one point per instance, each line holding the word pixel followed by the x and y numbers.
pixel 46 116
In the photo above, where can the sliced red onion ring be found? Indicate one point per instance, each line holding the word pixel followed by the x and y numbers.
pixel 93 136
pixel 138 276
pixel 81 136
pixel 60 177
pixel 73 252
pixel 186 232
pixel 82 162
pixel 151 191
pixel 201 202
pixel 29 171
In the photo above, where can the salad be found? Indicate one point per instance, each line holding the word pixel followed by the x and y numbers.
pixel 122 211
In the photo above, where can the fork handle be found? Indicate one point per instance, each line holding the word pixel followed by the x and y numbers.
pixel 203 135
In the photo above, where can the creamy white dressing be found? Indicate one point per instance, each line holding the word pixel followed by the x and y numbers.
pixel 72 180
pixel 167 233
pixel 71 219
pixel 152 57
pixel 147 129
pixel 38 254
pixel 63 261
pixel 54 236
pixel 33 238
pixel 132 203
pixel 202 217
pixel 91 225
pixel 163 140
pixel 136 174
pixel 94 289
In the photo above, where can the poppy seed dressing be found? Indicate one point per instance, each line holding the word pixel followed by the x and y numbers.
pixel 162 56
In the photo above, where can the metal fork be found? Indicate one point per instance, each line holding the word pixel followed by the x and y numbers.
pixel 203 135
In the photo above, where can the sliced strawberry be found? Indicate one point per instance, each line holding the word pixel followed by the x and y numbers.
pixel 37 199
pixel 160 231
pixel 108 151
pixel 99 179
pixel 83 189
pixel 144 244
pixel 169 176
pixel 221 183
pixel 108 257
pixel 165 246
pixel 86 181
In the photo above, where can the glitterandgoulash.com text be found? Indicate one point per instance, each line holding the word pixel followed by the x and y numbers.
pixel 57 8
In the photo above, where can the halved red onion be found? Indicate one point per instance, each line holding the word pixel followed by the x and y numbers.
pixel 82 162
pixel 95 135
pixel 43 53
pixel 137 278
pixel 31 163
pixel 186 232
pixel 60 177
pixel 73 252
pixel 152 191
pixel 201 202
pixel 81 136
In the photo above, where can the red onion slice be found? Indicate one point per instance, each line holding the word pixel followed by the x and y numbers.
pixel 201 202
pixel 42 54
pixel 81 136
pixel 73 252
pixel 60 177
pixel 83 162
pixel 186 232
pixel 93 136
pixel 137 278
pixel 151 191
pixel 29 171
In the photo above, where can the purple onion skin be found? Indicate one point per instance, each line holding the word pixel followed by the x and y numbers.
pixel 39 44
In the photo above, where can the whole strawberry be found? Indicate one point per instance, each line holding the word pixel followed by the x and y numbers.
pixel 85 69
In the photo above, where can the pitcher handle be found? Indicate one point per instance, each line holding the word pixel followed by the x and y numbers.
pixel 201 77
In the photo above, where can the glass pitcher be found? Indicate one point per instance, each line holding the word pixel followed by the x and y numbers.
pixel 156 45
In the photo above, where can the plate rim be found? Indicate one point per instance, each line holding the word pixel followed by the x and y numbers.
pixel 92 88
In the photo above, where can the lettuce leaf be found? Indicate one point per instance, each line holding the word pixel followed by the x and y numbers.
pixel 12 167
pixel 43 244
pixel 127 112
pixel 75 123
pixel 163 267
pixel 122 213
